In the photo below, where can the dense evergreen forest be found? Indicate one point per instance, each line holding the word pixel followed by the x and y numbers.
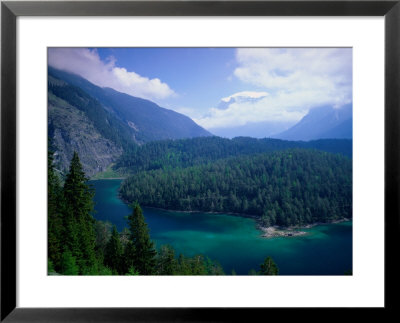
pixel 196 151
pixel 289 187
pixel 80 245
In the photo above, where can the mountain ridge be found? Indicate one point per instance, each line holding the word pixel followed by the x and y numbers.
pixel 142 113
pixel 106 121
pixel 322 123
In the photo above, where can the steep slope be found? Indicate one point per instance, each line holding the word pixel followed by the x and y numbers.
pixel 71 130
pixel 147 120
pixel 102 123
pixel 323 122
pixel 343 130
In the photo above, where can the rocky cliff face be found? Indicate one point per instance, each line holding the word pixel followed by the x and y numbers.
pixel 70 130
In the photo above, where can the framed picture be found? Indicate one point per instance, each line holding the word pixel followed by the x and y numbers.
pixel 55 52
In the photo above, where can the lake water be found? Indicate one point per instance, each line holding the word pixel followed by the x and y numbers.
pixel 234 241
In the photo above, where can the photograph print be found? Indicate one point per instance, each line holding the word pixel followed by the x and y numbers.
pixel 200 161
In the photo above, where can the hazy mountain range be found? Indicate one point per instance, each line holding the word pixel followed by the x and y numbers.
pixel 319 123
pixel 323 122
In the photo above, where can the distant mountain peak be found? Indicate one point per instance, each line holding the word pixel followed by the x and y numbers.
pixel 322 122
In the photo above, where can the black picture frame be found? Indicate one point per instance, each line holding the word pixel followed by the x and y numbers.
pixel 10 10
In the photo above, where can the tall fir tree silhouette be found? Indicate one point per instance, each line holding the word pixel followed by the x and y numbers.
pixel 144 253
pixel 80 234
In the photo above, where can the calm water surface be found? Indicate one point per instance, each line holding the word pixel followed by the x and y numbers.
pixel 234 241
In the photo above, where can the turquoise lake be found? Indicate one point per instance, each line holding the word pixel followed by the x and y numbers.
pixel 234 241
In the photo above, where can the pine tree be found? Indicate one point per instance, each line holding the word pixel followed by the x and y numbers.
pixel 132 272
pixel 55 214
pixel 183 266
pixel 269 267
pixel 144 252
pixel 128 258
pixel 113 252
pixel 166 262
pixel 68 264
pixel 80 234
pixel 103 234
pixel 252 272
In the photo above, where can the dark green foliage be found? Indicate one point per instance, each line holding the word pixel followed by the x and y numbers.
pixel 197 151
pixel 113 253
pixel 103 235
pixel 104 271
pixel 55 208
pixel 68 264
pixel 132 272
pixel 79 245
pixel 183 267
pixel 269 267
pixel 213 268
pixel 197 265
pixel 50 267
pixel 128 257
pixel 285 188
pixel 143 251
pixel 79 223
pixel 166 262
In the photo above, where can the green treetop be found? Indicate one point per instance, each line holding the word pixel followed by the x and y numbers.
pixel 55 214
pixel 80 231
pixel 144 252
pixel 269 267
pixel 114 252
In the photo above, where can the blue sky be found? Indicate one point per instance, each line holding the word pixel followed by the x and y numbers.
pixel 189 72
pixel 221 87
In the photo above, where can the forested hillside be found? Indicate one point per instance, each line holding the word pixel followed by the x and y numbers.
pixel 290 187
pixel 196 151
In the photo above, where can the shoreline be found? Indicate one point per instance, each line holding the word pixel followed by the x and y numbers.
pixel 293 231
pixel 248 216
pixel 101 179
pixel 276 232
pixel 266 232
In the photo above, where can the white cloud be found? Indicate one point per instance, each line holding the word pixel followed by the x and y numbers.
pixel 291 81
pixel 327 72
pixel 241 112
pixel 246 95
pixel 88 64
